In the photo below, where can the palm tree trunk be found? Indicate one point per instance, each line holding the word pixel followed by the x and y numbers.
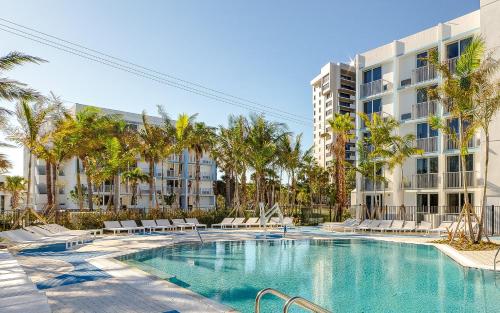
pixel 90 192
pixel 48 182
pixel 198 169
pixel 116 196
pixel 485 186
pixel 134 193
pixel 28 191
pixel 79 184
pixel 162 194
pixel 151 176
pixel 55 187
pixel 228 189
pixel 244 187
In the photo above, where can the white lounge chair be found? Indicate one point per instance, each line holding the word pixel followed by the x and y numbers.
pixel 58 229
pixel 237 222
pixel 383 225
pixel 252 222
pixel 424 227
pixel 360 226
pixel 371 225
pixel 397 225
pixel 409 226
pixel 274 222
pixel 442 228
pixel 226 222
pixel 21 236
pixel 151 225
pixel 132 225
pixel 194 221
pixel 165 223
pixel 181 223
pixel 115 227
pixel 288 221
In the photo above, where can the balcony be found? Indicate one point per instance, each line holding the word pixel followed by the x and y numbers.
pixel 423 74
pixel 424 109
pixel 452 64
pixel 429 144
pixel 455 179
pixel 367 185
pixel 421 181
pixel 453 145
pixel 375 87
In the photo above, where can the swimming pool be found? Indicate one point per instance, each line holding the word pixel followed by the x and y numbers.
pixel 342 275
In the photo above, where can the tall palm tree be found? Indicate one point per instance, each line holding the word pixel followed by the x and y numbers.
pixel 202 140
pixel 134 177
pixel 342 127
pixel 183 135
pixel 32 117
pixel 459 91
pixel 15 186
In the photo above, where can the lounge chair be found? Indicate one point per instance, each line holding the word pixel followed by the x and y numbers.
pixel 370 226
pixel 151 225
pixel 252 222
pixel 397 225
pixel 237 222
pixel 274 222
pixel 21 236
pixel 361 225
pixel 226 222
pixel 382 226
pixel 181 223
pixel 288 221
pixel 194 221
pixel 133 226
pixel 409 226
pixel 165 223
pixel 424 227
pixel 58 229
pixel 442 228
pixel 115 227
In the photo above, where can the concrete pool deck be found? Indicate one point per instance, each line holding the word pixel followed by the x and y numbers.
pixel 90 279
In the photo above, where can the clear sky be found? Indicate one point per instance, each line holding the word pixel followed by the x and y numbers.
pixel 261 50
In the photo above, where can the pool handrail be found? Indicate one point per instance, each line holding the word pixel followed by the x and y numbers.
pixel 304 303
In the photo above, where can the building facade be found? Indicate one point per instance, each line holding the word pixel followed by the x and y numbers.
pixel 167 180
pixel 394 80
pixel 333 91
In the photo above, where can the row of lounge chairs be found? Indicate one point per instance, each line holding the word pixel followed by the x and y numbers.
pixel 49 234
pixel 395 226
pixel 130 226
pixel 230 222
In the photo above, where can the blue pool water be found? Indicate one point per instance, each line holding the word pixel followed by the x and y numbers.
pixel 341 275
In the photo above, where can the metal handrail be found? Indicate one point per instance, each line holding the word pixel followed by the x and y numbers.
pixel 306 304
pixel 495 260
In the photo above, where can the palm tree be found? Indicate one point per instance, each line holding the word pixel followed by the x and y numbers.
pixel 459 92
pixel 154 145
pixel 14 185
pixel 32 118
pixel 202 140
pixel 134 177
pixel 183 131
pixel 342 127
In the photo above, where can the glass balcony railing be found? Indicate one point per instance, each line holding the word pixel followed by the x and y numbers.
pixel 420 181
pixel 424 109
pixel 423 74
pixel 375 87
pixel 429 144
pixel 456 179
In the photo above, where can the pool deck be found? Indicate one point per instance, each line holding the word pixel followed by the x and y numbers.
pixel 90 279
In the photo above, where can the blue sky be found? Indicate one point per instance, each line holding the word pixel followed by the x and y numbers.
pixel 261 50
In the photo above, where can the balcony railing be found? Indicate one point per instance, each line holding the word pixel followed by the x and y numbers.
pixel 424 73
pixel 455 179
pixel 452 64
pixel 370 118
pixel 420 181
pixel 367 185
pixel 429 144
pixel 375 87
pixel 424 109
pixel 453 145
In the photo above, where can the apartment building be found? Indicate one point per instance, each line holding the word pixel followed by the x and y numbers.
pixel 181 186
pixel 333 91
pixel 394 80
pixel 4 195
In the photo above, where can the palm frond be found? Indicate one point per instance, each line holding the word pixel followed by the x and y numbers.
pixel 17 58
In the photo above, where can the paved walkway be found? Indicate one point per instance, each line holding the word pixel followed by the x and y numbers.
pixel 89 279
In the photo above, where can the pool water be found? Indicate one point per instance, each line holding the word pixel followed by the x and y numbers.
pixel 342 275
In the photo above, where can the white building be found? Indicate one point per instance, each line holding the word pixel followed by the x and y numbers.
pixel 333 91
pixel 393 80
pixel 4 196
pixel 182 187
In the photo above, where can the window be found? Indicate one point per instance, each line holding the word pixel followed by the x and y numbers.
pixel 344 95
pixel 454 125
pixel 425 131
pixel 453 164
pixel 422 59
pixel 372 75
pixel 344 104
pixel 328 112
pixel 421 95
pixel 457 48
pixel 329 103
pixel 372 106
pixel 427 165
